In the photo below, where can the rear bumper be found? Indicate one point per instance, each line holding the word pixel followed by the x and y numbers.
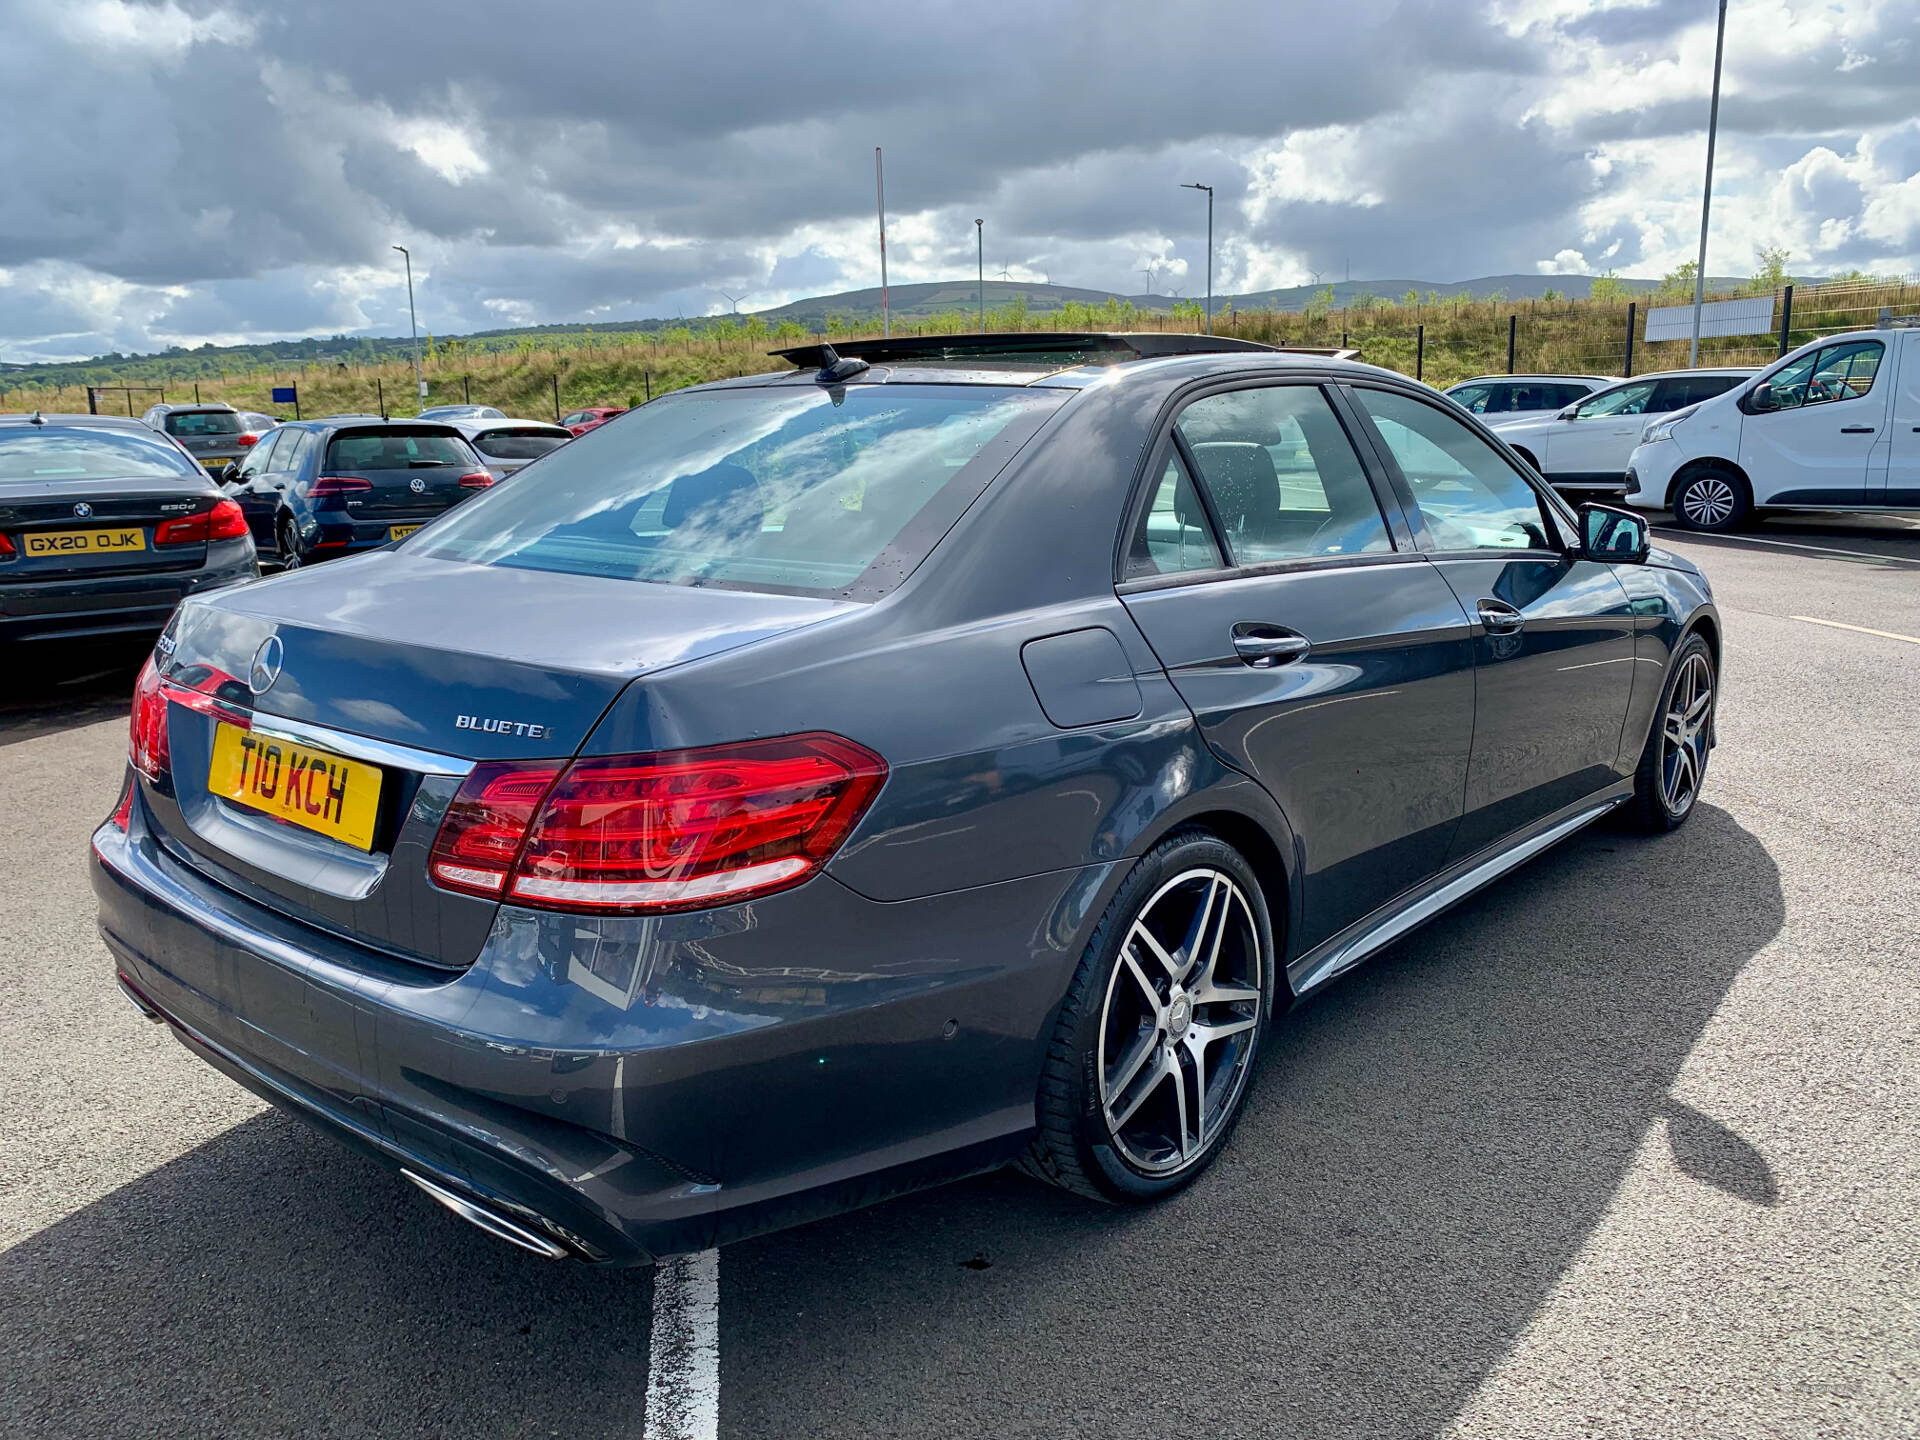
pixel 104 607
pixel 632 1088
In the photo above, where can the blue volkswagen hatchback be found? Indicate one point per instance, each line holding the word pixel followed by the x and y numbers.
pixel 941 754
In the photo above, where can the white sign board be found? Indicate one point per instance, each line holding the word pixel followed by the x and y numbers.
pixel 1722 317
pixel 423 384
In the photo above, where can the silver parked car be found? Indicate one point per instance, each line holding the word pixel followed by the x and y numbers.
pixel 461 412
pixel 505 445
pixel 1489 396
pixel 216 435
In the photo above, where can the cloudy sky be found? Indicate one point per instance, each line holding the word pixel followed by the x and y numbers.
pixel 229 169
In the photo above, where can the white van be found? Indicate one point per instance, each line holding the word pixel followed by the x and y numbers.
pixel 1833 426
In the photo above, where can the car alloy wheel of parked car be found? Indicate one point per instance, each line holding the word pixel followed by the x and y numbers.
pixel 1711 501
pixel 1674 764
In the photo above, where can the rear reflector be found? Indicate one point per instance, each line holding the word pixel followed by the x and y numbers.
pixel 147 729
pixel 6 546
pixel 123 812
pixel 338 485
pixel 648 833
pixel 225 521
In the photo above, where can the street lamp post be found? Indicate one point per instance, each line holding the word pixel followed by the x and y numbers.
pixel 1209 190
pixel 1706 192
pixel 412 323
pixel 980 259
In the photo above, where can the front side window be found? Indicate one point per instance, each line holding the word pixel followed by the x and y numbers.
pixel 1470 498
pixel 1480 399
pixel 39 453
pixel 798 489
pixel 1174 535
pixel 1622 400
pixel 259 459
pixel 1833 372
pixel 1281 475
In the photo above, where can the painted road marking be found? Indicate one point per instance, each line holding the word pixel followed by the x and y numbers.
pixel 1861 629
pixel 683 1372
pixel 1789 545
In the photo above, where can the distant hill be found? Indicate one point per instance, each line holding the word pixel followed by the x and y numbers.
pixel 856 307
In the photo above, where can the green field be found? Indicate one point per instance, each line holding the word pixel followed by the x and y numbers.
pixel 542 373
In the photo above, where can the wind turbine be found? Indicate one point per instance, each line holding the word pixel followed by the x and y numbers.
pixel 1147 270
pixel 733 300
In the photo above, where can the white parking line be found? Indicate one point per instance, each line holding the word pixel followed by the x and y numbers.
pixel 1861 629
pixel 1788 545
pixel 683 1373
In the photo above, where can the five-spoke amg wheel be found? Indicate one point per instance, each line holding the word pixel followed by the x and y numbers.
pixel 1674 763
pixel 1155 1046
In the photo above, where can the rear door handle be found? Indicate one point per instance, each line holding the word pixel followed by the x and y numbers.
pixel 1264 646
pixel 1856 429
pixel 1500 618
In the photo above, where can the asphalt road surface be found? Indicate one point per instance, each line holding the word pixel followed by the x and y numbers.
pixel 1627 1146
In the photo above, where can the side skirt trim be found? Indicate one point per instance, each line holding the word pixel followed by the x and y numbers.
pixel 1346 950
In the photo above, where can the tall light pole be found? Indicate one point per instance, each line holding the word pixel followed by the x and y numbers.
pixel 412 323
pixel 1209 190
pixel 880 204
pixel 980 258
pixel 1706 193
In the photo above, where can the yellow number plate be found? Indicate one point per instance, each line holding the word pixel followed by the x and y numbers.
pixel 85 542
pixel 315 789
pixel 400 532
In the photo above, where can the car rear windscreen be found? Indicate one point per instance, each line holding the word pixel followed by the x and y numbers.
pixel 817 490
pixel 33 453
pixel 390 450
pixel 203 422
pixel 517 444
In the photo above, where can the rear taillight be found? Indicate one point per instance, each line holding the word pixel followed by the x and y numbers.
pixel 649 833
pixel 225 521
pixel 6 546
pixel 147 730
pixel 338 485
pixel 476 480
pixel 244 441
pixel 486 825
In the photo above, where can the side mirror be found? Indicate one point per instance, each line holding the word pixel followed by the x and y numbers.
pixel 1567 411
pixel 1760 398
pixel 1613 536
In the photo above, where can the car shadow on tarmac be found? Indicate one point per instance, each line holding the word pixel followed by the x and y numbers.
pixel 1428 1147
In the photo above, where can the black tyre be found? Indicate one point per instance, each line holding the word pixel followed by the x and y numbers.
pixel 1674 765
pixel 1714 501
pixel 1155 1047
pixel 289 547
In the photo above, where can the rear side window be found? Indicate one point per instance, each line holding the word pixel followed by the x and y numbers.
pixel 1470 498
pixel 1174 536
pixel 41 453
pixel 1687 390
pixel 386 450
pixel 1281 475
pixel 203 422
pixel 1558 397
pixel 809 490
pixel 517 444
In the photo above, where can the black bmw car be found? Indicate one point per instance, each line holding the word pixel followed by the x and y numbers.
pixel 104 526
pixel 936 755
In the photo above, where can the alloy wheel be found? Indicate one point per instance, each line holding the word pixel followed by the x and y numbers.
pixel 1708 502
pixel 1180 1021
pixel 1683 734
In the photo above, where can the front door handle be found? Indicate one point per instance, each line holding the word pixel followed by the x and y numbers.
pixel 1856 429
pixel 1500 618
pixel 1264 646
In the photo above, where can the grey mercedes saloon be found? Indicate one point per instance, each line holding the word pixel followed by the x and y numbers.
pixel 939 754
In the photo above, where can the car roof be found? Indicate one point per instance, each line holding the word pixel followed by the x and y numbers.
pixel 507 423
pixel 98 422
pixel 1533 378
pixel 1697 370
pixel 211 406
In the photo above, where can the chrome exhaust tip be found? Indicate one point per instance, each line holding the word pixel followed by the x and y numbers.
pixel 489 1220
